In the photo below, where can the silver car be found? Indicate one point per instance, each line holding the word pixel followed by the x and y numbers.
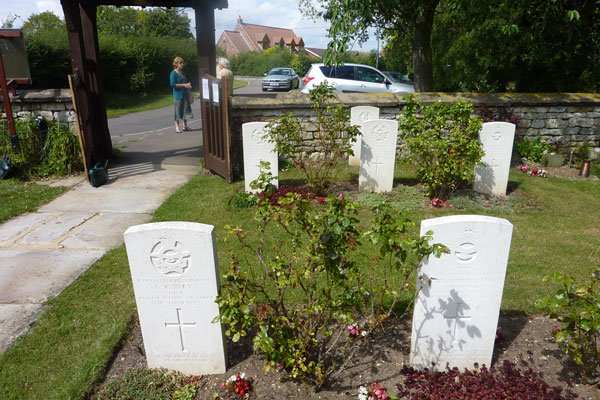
pixel 281 78
pixel 353 78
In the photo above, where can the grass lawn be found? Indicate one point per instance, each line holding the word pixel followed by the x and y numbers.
pixel 117 105
pixel 65 353
pixel 18 197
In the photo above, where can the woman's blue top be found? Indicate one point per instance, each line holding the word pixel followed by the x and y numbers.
pixel 175 79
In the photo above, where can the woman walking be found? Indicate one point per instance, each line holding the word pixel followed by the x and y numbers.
pixel 181 94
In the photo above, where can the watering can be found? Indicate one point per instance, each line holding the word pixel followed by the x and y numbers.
pixel 99 174
pixel 5 166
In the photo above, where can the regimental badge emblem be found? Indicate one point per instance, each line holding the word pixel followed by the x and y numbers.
pixel 363 116
pixel 170 257
pixel 496 135
pixel 258 136
pixel 380 133
pixel 466 249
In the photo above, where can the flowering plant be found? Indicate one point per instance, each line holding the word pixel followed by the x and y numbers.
pixel 237 384
pixel 374 392
pixel 576 306
pixel 299 245
pixel 541 173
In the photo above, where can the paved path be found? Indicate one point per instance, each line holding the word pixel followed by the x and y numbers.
pixel 42 253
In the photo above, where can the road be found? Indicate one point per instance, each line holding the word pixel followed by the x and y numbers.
pixel 149 136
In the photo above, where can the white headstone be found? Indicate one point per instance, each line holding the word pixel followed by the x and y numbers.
pixel 458 303
pixel 257 149
pixel 358 115
pixel 175 279
pixel 497 141
pixel 377 155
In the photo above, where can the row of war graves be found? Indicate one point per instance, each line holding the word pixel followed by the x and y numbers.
pixel 176 280
pixel 375 152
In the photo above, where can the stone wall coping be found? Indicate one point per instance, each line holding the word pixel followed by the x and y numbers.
pixel 300 100
pixel 41 96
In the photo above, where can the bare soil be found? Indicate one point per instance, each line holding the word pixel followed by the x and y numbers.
pixel 379 360
pixel 560 172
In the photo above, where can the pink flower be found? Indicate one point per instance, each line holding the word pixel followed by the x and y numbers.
pixel 436 202
pixel 352 331
pixel 523 168
pixel 340 196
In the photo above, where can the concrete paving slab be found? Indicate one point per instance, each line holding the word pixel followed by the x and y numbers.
pixel 34 276
pixel 55 228
pixel 139 201
pixel 16 226
pixel 104 232
pixel 153 163
pixel 148 176
pixel 68 181
pixel 15 320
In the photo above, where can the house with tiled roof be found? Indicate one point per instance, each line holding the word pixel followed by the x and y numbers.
pixel 251 37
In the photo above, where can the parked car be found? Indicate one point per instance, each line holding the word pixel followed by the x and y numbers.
pixel 353 78
pixel 397 77
pixel 281 78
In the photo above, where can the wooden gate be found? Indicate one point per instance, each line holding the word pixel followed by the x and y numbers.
pixel 214 103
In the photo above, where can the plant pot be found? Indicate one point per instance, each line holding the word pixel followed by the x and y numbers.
pixel 552 160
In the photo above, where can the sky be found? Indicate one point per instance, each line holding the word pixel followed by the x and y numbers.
pixel 280 13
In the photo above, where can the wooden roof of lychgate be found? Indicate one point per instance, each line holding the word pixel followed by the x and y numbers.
pixel 157 3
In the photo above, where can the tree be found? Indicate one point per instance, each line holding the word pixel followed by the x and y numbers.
pixel 350 19
pixel 9 21
pixel 118 20
pixel 46 22
pixel 477 45
pixel 166 22
pixel 513 45
pixel 169 22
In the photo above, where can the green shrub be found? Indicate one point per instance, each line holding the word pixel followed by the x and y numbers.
pixel 595 169
pixel 257 63
pixel 332 133
pixel 532 149
pixel 442 142
pixel 243 200
pixel 140 64
pixel 302 295
pixel 60 155
pixel 128 63
pixel 577 307
pixel 49 59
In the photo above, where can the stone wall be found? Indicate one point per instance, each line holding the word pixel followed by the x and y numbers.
pixel 52 104
pixel 571 118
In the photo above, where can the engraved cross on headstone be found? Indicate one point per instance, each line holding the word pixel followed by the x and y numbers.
pixel 494 163
pixel 180 325
pixel 377 164
pixel 457 318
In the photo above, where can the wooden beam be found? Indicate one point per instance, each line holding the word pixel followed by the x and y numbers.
pixel 102 141
pixel 10 33
pixel 205 43
pixel 220 4
pixel 81 76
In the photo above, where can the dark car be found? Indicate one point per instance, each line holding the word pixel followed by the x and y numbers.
pixel 281 78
